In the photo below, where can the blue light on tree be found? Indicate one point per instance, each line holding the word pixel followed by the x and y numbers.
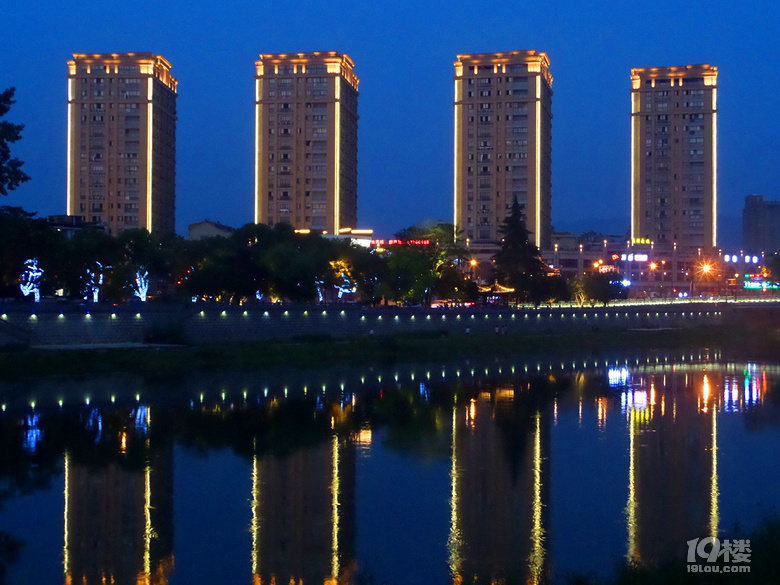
pixel 30 279
pixel 94 280
pixel 141 284
pixel 347 287
pixel 33 434
pixel 95 424
pixel 142 419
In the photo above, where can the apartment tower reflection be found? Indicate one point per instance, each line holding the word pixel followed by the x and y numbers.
pixel 303 515
pixel 119 521
pixel 672 463
pixel 500 489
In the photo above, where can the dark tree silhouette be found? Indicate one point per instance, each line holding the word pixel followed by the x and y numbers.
pixel 11 174
pixel 517 263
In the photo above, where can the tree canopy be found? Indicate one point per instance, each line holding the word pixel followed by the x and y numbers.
pixel 518 263
pixel 11 174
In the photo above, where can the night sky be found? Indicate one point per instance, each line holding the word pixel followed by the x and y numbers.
pixel 403 53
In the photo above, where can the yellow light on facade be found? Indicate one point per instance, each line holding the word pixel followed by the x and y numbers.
pixel 538 230
pixel 337 158
pixel 149 144
pixel 714 165
pixel 634 154
pixel 69 193
pixel 456 154
pixel 258 144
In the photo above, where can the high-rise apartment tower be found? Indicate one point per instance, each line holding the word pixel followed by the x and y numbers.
pixel 122 141
pixel 503 122
pixel 306 141
pixel 674 156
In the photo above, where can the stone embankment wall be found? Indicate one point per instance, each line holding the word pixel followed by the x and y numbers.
pixel 63 324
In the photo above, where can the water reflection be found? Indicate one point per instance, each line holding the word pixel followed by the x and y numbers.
pixel 118 517
pixel 656 425
pixel 303 516
pixel 673 464
pixel 499 486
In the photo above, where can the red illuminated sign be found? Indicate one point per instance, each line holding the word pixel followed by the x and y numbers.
pixel 400 242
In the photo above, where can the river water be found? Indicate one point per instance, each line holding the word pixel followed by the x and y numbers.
pixel 482 471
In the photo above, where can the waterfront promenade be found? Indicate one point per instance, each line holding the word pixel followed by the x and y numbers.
pixel 63 325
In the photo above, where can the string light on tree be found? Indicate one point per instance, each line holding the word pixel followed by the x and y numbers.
pixel 30 279
pixel 141 285
pixel 94 280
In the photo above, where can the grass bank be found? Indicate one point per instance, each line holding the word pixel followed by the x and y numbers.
pixel 740 343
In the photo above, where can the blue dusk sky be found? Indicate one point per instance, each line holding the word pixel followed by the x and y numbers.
pixel 403 53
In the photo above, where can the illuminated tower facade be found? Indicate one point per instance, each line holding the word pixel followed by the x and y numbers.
pixel 503 131
pixel 306 141
pixel 674 156
pixel 122 141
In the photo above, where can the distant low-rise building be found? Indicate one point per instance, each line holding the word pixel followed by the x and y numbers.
pixel 575 255
pixel 71 224
pixel 208 229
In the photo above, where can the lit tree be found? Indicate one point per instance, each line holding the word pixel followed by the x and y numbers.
pixel 140 285
pixel 94 280
pixel 30 279
pixel 11 174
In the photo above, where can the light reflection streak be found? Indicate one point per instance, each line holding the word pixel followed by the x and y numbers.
pixel 602 405
pixel 455 540
pixel 149 530
pixel 255 518
pixel 335 487
pixel 631 505
pixel 65 552
pixel 714 490
pixel 536 559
